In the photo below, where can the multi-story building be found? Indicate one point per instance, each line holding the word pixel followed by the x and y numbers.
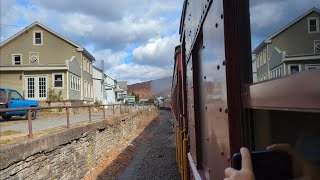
pixel 37 59
pixel 294 48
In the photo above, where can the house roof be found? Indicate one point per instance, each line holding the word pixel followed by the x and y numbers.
pixel 79 48
pixel 269 39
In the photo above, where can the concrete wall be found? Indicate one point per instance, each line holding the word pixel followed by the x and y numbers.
pixel 68 154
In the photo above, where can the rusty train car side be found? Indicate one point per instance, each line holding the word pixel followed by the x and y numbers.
pixel 214 102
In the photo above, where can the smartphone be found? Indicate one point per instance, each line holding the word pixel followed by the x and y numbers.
pixel 267 165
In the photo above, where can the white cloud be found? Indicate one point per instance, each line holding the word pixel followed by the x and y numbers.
pixel 260 18
pixel 134 72
pixel 111 59
pixel 158 52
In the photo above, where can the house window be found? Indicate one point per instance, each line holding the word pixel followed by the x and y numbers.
pixel 313 24
pixel 37 38
pixel 294 69
pixel 16 59
pixel 264 57
pixel 58 80
pixel 74 83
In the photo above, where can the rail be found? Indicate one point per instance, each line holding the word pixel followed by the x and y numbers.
pixel 122 108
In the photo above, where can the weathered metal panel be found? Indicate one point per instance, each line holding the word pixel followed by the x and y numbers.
pixel 288 93
pixel 191 114
pixel 214 123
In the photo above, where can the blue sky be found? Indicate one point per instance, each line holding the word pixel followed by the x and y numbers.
pixel 135 38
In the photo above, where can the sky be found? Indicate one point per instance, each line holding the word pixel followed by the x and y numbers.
pixel 135 38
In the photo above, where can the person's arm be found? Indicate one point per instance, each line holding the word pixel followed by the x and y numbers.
pixel 246 172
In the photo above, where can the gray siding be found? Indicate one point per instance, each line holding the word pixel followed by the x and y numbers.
pixel 262 70
pixel 74 67
pixel 276 59
pixel 74 95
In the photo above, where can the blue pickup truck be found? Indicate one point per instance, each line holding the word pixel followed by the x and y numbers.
pixel 10 98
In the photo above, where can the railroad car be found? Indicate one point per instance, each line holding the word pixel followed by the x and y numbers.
pixel 218 103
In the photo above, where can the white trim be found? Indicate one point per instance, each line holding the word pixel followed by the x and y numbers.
pixel 36 76
pixel 301 58
pixel 38 60
pixel 67 84
pixel 195 172
pixel 289 67
pixel 13 60
pixel 53 80
pixel 30 68
pixel 34 37
pixel 317 66
pixel 317 24
pixel 76 81
pixel 315 42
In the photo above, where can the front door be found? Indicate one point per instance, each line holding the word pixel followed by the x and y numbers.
pixel 36 87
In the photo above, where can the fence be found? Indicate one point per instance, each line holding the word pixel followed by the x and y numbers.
pixel 106 111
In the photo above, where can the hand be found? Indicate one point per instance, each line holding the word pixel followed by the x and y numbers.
pixel 297 162
pixel 246 172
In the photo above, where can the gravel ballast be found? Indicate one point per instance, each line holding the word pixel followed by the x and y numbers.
pixel 154 156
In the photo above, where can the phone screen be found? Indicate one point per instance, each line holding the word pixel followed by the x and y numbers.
pixel 268 165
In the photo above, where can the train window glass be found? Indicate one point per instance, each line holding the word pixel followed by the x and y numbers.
pixel 281 35
pixel 284 43
pixel 297 133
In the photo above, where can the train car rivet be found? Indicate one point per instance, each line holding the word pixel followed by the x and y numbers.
pixel 205 77
pixel 207 138
pixel 222 153
pixel 206 107
pixel 226 110
pixel 224 63
pixel 218 67
pixel 209 170
pixel 220 109
pixel 216 25
pixel 203 47
pixel 205 6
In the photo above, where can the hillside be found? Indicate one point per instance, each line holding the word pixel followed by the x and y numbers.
pixel 150 89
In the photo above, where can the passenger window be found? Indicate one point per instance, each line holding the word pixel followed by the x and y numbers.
pixel 282 49
pixel 15 96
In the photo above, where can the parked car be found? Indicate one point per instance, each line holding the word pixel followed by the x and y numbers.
pixel 10 98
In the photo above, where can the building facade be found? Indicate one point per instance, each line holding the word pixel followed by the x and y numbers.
pixel 38 62
pixel 294 48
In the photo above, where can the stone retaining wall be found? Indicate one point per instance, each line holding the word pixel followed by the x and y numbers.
pixel 67 154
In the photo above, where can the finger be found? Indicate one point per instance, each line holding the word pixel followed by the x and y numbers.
pixel 246 159
pixel 229 172
pixel 280 147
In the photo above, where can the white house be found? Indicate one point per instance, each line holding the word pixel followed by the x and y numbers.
pixel 110 86
pixel 98 86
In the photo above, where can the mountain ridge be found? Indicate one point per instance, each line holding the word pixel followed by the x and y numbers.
pixel 152 88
